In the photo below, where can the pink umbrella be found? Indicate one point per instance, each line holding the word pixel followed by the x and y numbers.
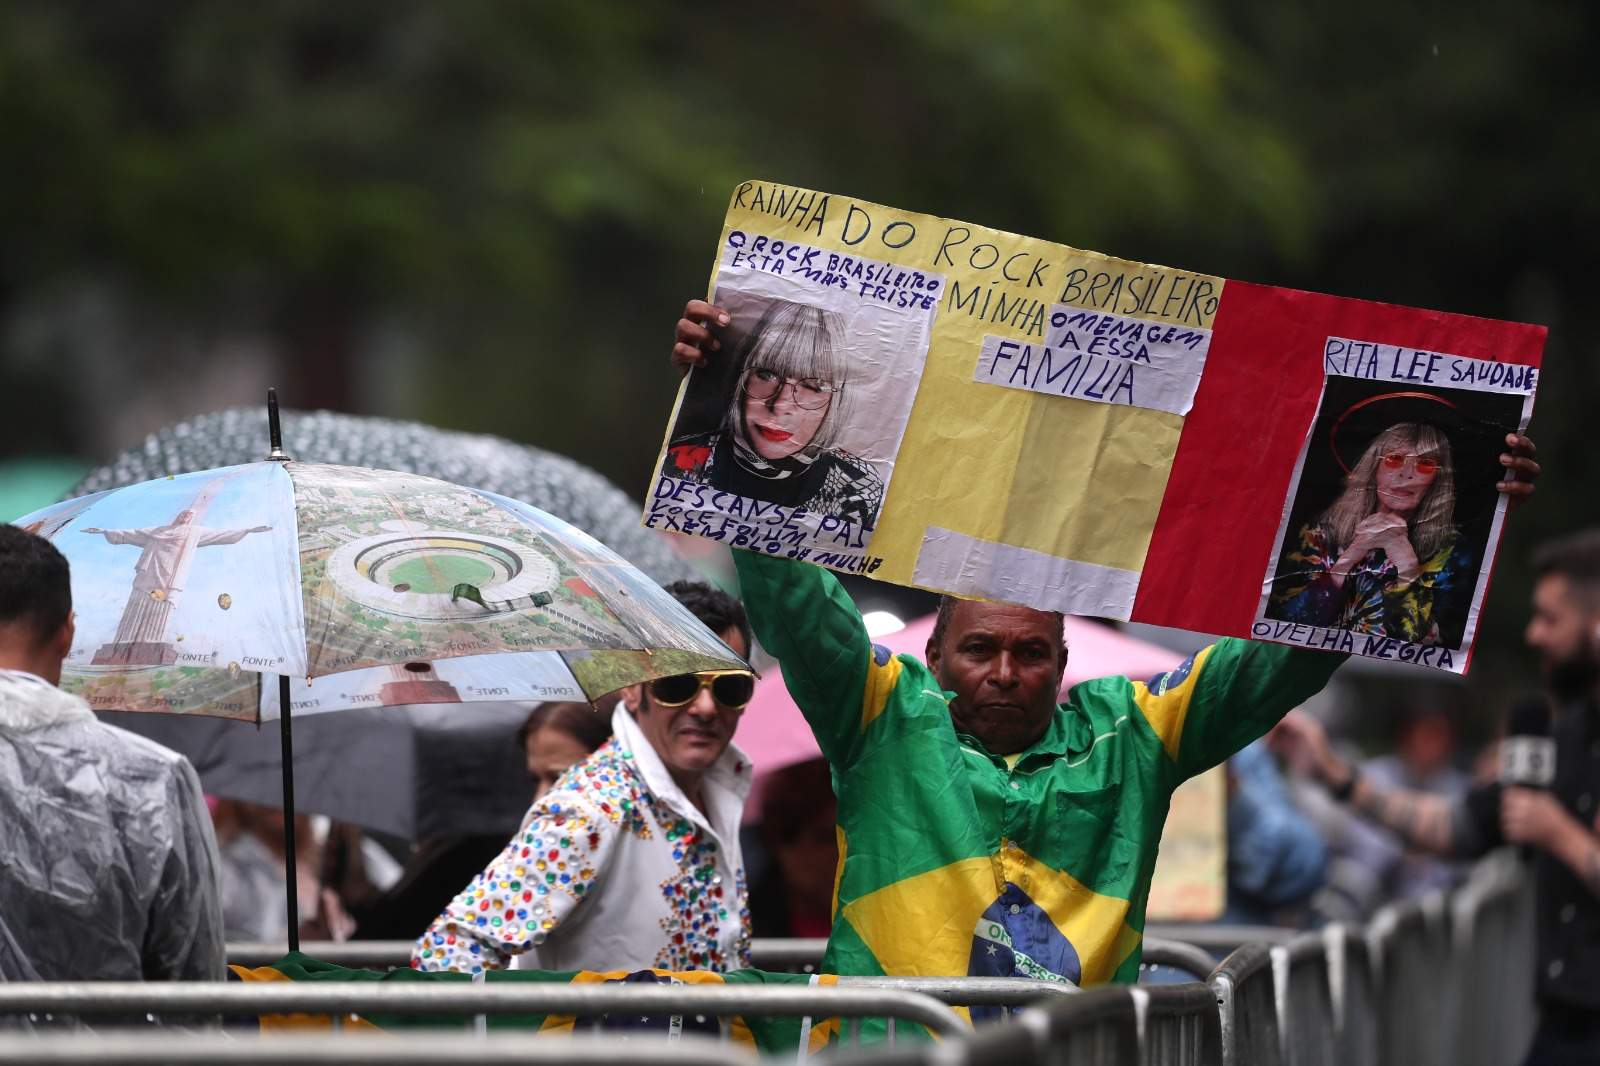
pixel 774 735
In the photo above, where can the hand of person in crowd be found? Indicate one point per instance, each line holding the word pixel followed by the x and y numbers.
pixel 1300 739
pixel 1534 816
pixel 694 338
pixel 1521 468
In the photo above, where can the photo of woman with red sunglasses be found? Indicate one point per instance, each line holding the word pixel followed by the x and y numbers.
pixel 1386 556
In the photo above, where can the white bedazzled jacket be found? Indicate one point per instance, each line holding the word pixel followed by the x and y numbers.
pixel 613 869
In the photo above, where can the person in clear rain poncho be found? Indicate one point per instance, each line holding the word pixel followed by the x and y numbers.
pixel 110 868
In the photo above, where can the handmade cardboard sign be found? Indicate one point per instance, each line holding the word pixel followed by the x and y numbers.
pixel 932 403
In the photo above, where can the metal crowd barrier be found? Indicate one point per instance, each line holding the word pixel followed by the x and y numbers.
pixel 789 955
pixel 1178 1025
pixel 1176 955
pixel 1097 1027
pixel 1428 983
pixel 1494 949
pixel 799 955
pixel 1219 940
pixel 354 954
pixel 1352 992
pixel 346 1049
pixel 340 999
pixel 1404 959
pixel 1247 1005
pixel 1304 994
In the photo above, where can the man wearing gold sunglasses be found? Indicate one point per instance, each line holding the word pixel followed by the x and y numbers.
pixel 632 860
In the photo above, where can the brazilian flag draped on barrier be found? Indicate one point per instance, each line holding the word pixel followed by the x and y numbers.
pixel 767 1035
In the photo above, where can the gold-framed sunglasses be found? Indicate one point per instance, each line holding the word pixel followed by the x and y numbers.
pixel 730 688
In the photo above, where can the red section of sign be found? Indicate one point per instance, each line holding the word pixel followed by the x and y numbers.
pixel 1219 519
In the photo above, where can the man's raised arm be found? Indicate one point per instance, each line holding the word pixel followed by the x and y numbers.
pixel 803 616
pixel 1228 695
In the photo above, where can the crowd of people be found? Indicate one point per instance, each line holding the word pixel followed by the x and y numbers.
pixel 962 821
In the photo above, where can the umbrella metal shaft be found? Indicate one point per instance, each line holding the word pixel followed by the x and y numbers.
pixel 291 873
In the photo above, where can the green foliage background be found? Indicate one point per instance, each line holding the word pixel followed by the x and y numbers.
pixel 487 214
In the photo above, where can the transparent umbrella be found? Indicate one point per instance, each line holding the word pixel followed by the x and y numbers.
pixel 193 588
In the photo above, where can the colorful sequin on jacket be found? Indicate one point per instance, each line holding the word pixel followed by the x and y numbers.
pixel 614 867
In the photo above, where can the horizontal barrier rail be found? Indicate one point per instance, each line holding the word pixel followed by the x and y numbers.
pixel 92 998
pixel 969 991
pixel 787 953
pixel 765 953
pixel 299 1049
pixel 1220 940
pixel 1179 956
pixel 354 954
pixel 956 991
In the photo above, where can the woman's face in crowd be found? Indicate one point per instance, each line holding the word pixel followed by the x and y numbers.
pixel 1404 478
pixel 550 751
pixel 782 415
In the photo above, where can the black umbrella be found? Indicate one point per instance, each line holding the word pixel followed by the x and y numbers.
pixel 413 771
pixel 567 489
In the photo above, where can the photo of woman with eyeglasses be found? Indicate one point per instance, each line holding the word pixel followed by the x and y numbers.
pixel 777 438
pixel 1387 556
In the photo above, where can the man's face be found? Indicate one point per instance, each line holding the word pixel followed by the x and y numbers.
pixel 692 737
pixel 1560 631
pixel 1004 665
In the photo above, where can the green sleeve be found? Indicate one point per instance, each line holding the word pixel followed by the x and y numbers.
pixel 1241 688
pixel 803 616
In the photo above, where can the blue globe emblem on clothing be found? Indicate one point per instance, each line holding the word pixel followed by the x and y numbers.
pixel 1171 679
pixel 1016 938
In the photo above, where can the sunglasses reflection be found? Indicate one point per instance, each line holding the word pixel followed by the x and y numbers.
pixel 731 689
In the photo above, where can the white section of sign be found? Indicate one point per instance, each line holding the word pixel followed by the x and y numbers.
pixel 1343 357
pixel 966 566
pixel 1105 358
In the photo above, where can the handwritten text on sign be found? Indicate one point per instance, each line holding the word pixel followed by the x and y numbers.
pixel 1094 355
pixel 679 506
pixel 1417 366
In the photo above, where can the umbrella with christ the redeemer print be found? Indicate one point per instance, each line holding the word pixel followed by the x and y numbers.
pixel 297 584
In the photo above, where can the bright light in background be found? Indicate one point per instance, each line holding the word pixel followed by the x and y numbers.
pixel 882 623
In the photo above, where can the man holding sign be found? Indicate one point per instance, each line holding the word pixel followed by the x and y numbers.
pixel 985 829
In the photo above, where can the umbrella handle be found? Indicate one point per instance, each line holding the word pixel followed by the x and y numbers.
pixel 291 873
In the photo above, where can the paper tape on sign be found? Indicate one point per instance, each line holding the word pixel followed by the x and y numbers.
pixel 1106 358
pixel 962 566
